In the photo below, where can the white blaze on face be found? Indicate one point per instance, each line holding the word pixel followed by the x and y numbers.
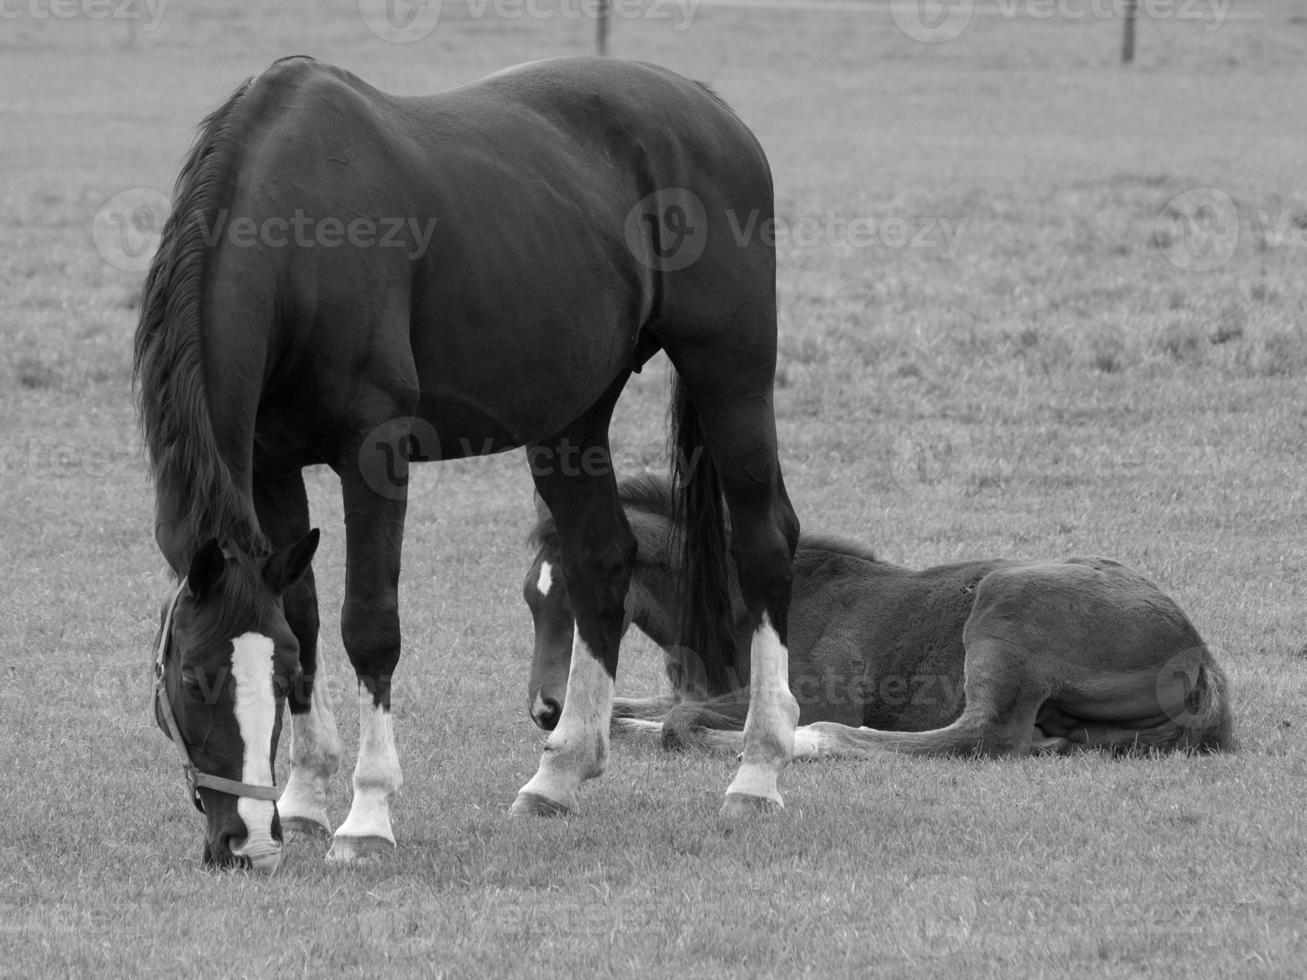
pixel 256 715
pixel 546 580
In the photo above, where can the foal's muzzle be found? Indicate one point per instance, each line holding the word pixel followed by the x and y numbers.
pixel 545 712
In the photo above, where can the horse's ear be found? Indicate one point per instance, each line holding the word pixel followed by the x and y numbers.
pixel 206 568
pixel 285 567
pixel 542 511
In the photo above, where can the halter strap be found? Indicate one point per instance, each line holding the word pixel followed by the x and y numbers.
pixel 194 777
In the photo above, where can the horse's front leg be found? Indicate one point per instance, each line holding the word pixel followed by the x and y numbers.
pixel 314 742
pixel 283 508
pixel 375 503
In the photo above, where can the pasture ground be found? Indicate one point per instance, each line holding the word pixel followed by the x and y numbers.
pixel 1053 385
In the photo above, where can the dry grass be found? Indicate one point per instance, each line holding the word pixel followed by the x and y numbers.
pixel 1054 386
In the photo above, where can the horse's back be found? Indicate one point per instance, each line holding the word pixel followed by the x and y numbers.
pixel 485 250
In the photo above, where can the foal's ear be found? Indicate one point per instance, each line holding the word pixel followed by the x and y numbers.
pixel 284 568
pixel 206 568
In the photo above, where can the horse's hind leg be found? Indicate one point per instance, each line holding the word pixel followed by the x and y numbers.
pixel 573 474
pixel 283 511
pixel 739 429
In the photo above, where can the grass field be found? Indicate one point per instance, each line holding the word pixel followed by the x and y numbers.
pixel 1040 379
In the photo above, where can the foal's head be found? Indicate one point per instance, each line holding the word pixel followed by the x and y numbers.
pixel 651 602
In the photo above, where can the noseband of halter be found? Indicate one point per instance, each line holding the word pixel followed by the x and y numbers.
pixel 194 777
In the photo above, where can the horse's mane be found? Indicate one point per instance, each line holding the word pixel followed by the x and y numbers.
pixel 652 495
pixel 712 93
pixel 168 369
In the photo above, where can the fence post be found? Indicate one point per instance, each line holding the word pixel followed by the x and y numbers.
pixel 1128 40
pixel 601 28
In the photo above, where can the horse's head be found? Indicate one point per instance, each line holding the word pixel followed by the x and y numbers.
pixel 225 660
pixel 546 596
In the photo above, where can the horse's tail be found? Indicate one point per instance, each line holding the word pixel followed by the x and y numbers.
pixel 699 516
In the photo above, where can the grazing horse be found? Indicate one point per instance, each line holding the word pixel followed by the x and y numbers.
pixel 986 657
pixel 366 281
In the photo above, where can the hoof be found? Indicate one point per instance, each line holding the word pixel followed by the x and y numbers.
pixel 350 849
pixel 535 805
pixel 304 829
pixel 742 806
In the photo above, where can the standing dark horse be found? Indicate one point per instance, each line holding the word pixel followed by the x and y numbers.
pixel 994 657
pixel 368 281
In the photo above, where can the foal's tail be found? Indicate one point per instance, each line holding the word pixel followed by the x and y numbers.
pixel 1210 729
pixel 699 516
pixel 701 724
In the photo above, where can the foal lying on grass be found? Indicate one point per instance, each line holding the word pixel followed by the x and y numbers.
pixel 985 657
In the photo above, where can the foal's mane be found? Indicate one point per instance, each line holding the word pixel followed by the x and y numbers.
pixel 168 369
pixel 645 496
pixel 651 496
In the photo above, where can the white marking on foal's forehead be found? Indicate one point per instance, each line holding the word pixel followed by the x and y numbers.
pixel 256 715
pixel 546 580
